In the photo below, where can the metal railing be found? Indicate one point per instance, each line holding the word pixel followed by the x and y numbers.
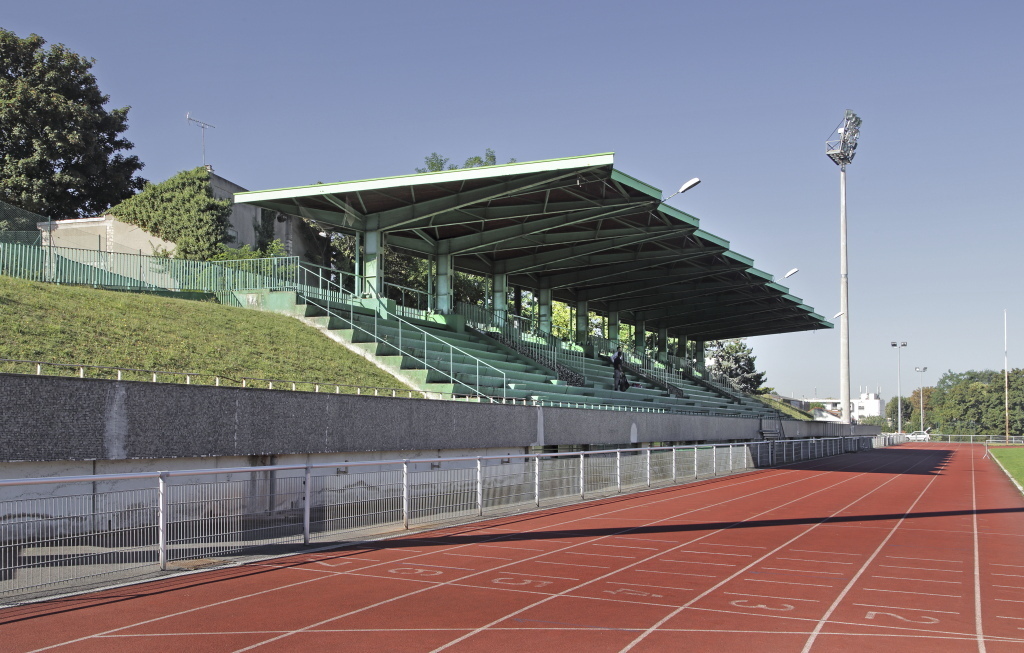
pixel 521 334
pixel 57 533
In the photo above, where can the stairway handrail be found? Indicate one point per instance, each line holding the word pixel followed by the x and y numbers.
pixel 401 322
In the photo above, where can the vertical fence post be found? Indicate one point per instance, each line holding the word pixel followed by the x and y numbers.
pixel 694 450
pixel 648 467
pixel 308 480
pixel 714 460
pixel 618 470
pixel 479 487
pixel 536 481
pixel 405 494
pixel 583 478
pixel 674 450
pixel 162 520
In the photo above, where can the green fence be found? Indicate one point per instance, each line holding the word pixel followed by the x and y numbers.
pixel 83 267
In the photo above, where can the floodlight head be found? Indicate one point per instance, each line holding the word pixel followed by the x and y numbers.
pixel 688 185
pixel 791 273
pixel 842 149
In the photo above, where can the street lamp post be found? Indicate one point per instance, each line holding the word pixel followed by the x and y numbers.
pixel 922 370
pixel 899 389
pixel 841 150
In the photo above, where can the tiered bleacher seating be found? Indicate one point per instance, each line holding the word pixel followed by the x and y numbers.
pixel 444 361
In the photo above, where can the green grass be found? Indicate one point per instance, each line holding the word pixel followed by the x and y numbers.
pixel 1012 459
pixel 784 408
pixel 64 324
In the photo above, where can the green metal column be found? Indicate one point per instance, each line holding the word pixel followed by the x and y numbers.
pixel 582 320
pixel 613 327
pixel 499 286
pixel 698 354
pixel 371 261
pixel 662 343
pixel 444 283
pixel 544 304
pixel 640 334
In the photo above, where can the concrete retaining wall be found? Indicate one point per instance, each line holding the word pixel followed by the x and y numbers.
pixel 67 419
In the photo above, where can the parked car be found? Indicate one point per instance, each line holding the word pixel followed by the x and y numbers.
pixel 919 436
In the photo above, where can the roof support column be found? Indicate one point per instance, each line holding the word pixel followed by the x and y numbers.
pixel 544 304
pixel 662 344
pixel 613 328
pixel 640 335
pixel 371 261
pixel 681 347
pixel 698 356
pixel 499 286
pixel 444 283
pixel 582 321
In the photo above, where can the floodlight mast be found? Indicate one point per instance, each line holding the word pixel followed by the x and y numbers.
pixel 842 150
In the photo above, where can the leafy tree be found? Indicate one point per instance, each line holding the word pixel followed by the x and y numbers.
pixel 182 210
pixel 273 249
pixel 61 151
pixel 436 163
pixel 734 359
pixel 875 420
pixel 892 411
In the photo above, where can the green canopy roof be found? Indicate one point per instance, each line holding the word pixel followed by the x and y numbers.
pixel 576 226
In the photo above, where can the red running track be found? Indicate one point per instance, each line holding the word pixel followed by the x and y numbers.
pixel 915 548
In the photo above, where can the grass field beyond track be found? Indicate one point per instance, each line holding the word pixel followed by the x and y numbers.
pixel 1012 459
pixel 66 324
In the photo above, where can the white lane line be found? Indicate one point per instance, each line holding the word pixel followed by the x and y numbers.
pixel 423 564
pixel 1010 600
pixel 836 553
pixel 738 546
pixel 512 573
pixel 1010 575
pixel 762 596
pixel 957 562
pixel 996 564
pixel 824 562
pixel 602 555
pixel 889 607
pixel 921 580
pixel 1002 617
pixel 863 568
pixel 623 546
pixel 516 548
pixel 783 582
pixel 977 561
pixel 470 555
pixel 567 564
pixel 647 539
pixel 673 573
pixel 714 553
pixel 701 562
pixel 948 596
pixel 805 571
pixel 948 571
pixel 1009 587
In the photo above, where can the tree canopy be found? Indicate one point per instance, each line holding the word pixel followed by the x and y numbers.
pixel 734 359
pixel 61 151
pixel 965 403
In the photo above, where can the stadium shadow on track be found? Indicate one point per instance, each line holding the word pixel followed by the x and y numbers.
pixel 930 462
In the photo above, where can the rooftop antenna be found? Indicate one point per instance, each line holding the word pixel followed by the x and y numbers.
pixel 201 125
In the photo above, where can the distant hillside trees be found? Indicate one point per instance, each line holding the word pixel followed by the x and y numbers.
pixel 966 403
pixel 62 153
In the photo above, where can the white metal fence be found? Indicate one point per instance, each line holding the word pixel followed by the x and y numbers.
pixel 63 533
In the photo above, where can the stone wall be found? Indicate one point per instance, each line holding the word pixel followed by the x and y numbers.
pixel 67 419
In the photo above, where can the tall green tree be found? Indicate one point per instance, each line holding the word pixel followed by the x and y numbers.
pixel 735 359
pixel 62 153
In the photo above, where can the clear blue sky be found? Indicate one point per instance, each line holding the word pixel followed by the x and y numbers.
pixel 741 94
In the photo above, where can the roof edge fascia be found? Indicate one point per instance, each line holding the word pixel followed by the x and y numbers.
pixel 439 177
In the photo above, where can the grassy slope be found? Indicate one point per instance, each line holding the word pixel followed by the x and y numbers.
pixel 63 324
pixel 1012 459
pixel 784 408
